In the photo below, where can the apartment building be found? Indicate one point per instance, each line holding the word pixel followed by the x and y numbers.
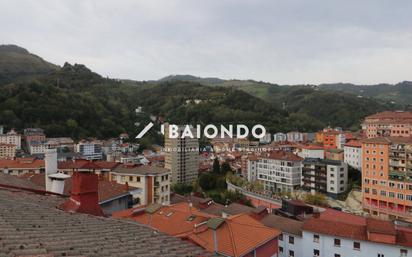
pixel 37 147
pixel 90 150
pixel 387 177
pixel 353 154
pixel 152 183
pixel 311 151
pixel 280 137
pixel 182 156
pixel 7 151
pixel 325 176
pixel 295 136
pixel 279 171
pixel 11 137
pixel 331 138
pixel 343 235
pixel 21 166
pixel 266 139
pixel 389 123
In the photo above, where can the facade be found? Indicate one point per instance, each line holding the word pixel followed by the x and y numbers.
pixel 324 176
pixel 152 183
pixel 387 177
pixel 295 136
pixel 266 139
pixel 182 157
pixel 280 137
pixel 384 124
pixel 11 137
pixel 37 147
pixel 334 154
pixel 279 171
pixel 90 150
pixel 252 162
pixel 21 166
pixel 331 138
pixel 353 154
pixel 60 143
pixel 7 151
pixel 312 151
pixel 354 236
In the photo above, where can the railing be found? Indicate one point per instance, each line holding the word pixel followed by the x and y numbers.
pixel 232 187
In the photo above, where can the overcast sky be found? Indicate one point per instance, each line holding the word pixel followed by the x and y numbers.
pixel 279 41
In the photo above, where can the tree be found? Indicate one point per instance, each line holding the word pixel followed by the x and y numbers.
pixel 207 181
pixel 216 166
pixel 316 199
pixel 225 168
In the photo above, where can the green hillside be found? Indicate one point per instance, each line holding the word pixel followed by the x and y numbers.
pixel 17 63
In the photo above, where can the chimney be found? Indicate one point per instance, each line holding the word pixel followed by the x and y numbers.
pixel 84 194
pixel 50 159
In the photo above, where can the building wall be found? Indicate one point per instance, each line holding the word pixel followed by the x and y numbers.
pixel 270 248
pixel 115 205
pixel 383 196
pixel 279 175
pixel 184 165
pixel 286 246
pixel 312 153
pixel 328 249
pixel 353 156
pixel 337 178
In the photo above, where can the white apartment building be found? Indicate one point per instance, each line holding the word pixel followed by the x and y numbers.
pixel 36 147
pixel 324 176
pixel 340 140
pixel 312 151
pixel 7 151
pixel 11 137
pixel 375 238
pixel 152 183
pixel 280 137
pixel 266 139
pixel 280 171
pixel 295 136
pixel 353 154
pixel 90 150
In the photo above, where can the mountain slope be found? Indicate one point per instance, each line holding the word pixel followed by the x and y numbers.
pixel 17 63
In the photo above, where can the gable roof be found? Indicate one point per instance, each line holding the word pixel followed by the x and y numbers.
pixel 47 231
pixel 286 225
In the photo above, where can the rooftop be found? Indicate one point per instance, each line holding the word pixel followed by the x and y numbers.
pixel 30 225
pixel 392 115
pixel 140 170
pixel 388 140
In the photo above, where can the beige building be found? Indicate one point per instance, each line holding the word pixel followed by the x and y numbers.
pixel 182 156
pixel 11 137
pixel 152 183
pixel 7 151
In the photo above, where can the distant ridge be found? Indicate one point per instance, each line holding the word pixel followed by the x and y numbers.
pixel 16 63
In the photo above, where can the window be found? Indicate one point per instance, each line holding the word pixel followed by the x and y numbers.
pixel 356 245
pixel 381 255
pixel 291 240
pixel 316 238
pixel 337 255
pixel 281 237
pixel 291 253
pixel 316 252
pixel 404 252
pixel 336 242
pixel 280 249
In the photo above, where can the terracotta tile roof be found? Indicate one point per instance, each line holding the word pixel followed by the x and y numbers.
pixel 203 204
pixel 391 115
pixel 283 155
pixel 335 228
pixel 47 231
pixel 10 180
pixel 107 165
pixel 380 227
pixel 387 140
pixel 22 163
pixel 107 189
pixel 78 164
pixel 286 225
pixel 237 208
pixel 354 143
pixel 236 236
pixel 141 169
pixel 313 147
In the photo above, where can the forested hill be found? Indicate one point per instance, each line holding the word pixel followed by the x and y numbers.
pixel 75 101
pixel 17 63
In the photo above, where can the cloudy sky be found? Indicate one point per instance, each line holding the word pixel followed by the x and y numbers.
pixel 280 41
